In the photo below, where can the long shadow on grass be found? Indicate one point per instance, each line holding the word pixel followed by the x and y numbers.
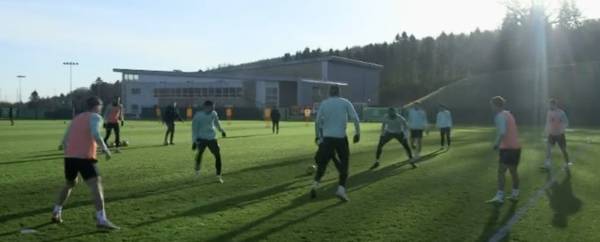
pixel 36 227
pixel 298 202
pixel 494 222
pixel 231 202
pixel 356 181
pixel 172 187
pixel 45 158
pixel 562 201
pixel 249 136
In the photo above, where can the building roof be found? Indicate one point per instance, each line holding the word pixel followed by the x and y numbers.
pixel 224 76
pixel 281 62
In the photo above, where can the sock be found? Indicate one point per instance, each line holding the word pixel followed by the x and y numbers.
pixel 500 194
pixel 101 215
pixel 315 185
pixel 57 209
pixel 377 161
pixel 341 189
pixel 515 192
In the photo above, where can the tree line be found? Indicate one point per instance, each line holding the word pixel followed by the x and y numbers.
pixel 415 67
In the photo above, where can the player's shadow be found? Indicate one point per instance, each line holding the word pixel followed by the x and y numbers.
pixel 34 159
pixel 165 188
pixel 141 147
pixel 563 201
pixel 36 227
pixel 494 221
pixel 248 136
pixel 239 201
pixel 431 155
pixel 294 204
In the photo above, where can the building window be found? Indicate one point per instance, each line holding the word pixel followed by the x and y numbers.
pixel 135 108
pixel 131 77
pixel 136 91
pixel 271 96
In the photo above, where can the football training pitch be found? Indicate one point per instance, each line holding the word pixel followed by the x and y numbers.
pixel 152 193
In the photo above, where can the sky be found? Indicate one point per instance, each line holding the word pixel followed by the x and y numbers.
pixel 37 36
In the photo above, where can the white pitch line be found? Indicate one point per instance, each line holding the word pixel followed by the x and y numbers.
pixel 503 231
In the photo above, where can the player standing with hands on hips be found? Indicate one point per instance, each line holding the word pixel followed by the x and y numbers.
pixel 79 144
pixel 330 129
pixel 204 135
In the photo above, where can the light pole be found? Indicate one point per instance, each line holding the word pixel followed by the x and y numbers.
pixel 71 64
pixel 20 77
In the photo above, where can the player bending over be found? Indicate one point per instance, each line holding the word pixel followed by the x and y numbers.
pixel 80 143
pixel 330 129
pixel 204 135
pixel 394 126
pixel 417 122
pixel 113 116
pixel 507 142
pixel 444 123
pixel 556 123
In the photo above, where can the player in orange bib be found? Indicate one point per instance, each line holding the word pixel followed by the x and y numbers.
pixel 80 144
pixel 507 142
pixel 556 124
pixel 113 116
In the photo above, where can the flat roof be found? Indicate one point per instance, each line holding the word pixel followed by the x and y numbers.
pixel 281 62
pixel 224 76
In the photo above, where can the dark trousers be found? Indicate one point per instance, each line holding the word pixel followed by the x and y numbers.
pixel 327 150
pixel 113 126
pixel 384 139
pixel 445 136
pixel 213 146
pixel 170 131
pixel 12 120
pixel 275 126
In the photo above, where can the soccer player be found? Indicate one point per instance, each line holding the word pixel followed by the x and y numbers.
pixel 417 122
pixel 507 142
pixel 330 131
pixel 11 116
pixel 112 117
pixel 444 123
pixel 203 135
pixel 79 144
pixel 556 123
pixel 275 118
pixel 171 114
pixel 394 126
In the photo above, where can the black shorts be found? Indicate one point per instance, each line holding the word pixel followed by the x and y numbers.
pixel 86 167
pixel 416 133
pixel 560 139
pixel 510 157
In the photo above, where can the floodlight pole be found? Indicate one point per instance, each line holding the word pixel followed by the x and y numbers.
pixel 71 64
pixel 20 77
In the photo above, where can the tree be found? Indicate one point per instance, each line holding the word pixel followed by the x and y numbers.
pixel 34 102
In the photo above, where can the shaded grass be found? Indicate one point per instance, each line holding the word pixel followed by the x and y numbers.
pixel 151 192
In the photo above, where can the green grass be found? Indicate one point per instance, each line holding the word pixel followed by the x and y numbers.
pixel 151 192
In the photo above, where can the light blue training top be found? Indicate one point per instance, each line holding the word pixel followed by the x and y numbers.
pixel 204 124
pixel 444 119
pixel 332 118
pixel 417 119
pixel 397 125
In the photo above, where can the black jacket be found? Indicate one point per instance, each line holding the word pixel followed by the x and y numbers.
pixel 171 114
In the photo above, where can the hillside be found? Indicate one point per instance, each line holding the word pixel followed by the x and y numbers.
pixel 576 86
